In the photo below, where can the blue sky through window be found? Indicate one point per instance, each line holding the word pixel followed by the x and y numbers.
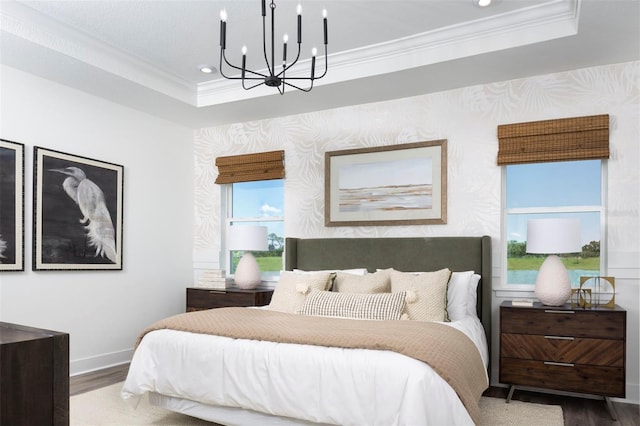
pixel 550 185
pixel 260 199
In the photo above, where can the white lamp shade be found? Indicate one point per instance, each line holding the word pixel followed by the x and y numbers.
pixel 553 236
pixel 247 238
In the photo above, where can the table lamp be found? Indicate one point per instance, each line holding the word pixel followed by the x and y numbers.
pixel 553 236
pixel 247 238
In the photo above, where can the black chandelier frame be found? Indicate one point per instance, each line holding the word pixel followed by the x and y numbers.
pixel 272 79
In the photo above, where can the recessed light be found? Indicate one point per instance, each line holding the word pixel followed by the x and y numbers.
pixel 482 3
pixel 207 69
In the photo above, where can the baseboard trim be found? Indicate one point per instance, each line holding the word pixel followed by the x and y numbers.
pixel 99 362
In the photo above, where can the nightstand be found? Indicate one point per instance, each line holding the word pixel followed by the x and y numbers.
pixel 206 298
pixel 564 348
pixel 34 366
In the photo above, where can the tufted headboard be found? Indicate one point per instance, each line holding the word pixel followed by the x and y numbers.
pixel 404 254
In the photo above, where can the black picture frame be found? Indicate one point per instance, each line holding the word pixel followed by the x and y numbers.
pixel 77 212
pixel 11 206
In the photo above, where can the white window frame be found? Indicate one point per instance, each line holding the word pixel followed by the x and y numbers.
pixel 550 210
pixel 227 207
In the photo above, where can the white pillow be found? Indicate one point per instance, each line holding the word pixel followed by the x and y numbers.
pixel 458 295
pixel 472 299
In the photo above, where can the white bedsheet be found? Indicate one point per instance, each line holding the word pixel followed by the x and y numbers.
pixel 316 384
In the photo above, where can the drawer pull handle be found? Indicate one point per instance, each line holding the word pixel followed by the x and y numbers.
pixel 555 311
pixel 559 337
pixel 559 364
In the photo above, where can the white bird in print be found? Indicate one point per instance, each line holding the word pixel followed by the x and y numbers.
pixel 89 197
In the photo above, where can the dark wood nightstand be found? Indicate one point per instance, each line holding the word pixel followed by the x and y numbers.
pixel 564 348
pixel 206 298
pixel 34 376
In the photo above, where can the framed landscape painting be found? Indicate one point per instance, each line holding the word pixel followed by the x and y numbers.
pixel 11 206
pixel 77 212
pixel 390 185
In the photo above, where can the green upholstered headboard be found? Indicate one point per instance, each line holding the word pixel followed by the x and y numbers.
pixel 404 254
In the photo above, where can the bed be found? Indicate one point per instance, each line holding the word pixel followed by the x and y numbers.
pixel 286 368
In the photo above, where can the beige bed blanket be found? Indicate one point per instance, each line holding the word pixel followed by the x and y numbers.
pixel 447 350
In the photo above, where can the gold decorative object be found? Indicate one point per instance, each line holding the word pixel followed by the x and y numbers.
pixel 580 298
pixel 596 292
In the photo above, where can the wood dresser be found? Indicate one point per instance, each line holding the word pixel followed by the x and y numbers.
pixel 564 348
pixel 206 298
pixel 34 376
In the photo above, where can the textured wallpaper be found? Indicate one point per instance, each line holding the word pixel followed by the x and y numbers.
pixel 467 118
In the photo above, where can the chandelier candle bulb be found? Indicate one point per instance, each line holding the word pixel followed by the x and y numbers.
pixel 299 10
pixel 223 29
pixel 324 20
pixel 244 60
pixel 285 39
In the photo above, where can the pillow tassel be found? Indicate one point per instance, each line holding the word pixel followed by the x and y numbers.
pixel 302 288
pixel 411 296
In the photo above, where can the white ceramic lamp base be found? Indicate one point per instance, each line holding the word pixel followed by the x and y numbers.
pixel 553 287
pixel 247 274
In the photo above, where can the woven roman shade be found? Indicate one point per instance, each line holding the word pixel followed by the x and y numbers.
pixel 250 167
pixel 566 139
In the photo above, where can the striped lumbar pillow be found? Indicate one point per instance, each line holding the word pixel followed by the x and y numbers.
pixel 378 306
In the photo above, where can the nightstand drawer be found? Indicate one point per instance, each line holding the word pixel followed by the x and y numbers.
pixel 563 349
pixel 600 380
pixel 573 323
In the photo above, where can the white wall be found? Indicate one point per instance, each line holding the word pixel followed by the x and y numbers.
pixel 104 311
pixel 468 119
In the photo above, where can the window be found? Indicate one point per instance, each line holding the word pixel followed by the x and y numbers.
pixel 258 203
pixel 554 189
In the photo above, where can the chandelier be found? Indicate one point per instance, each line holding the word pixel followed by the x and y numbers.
pixel 272 78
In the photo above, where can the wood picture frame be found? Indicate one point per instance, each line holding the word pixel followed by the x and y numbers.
pixel 11 206
pixel 389 185
pixel 78 208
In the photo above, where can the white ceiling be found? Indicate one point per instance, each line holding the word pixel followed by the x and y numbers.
pixel 146 54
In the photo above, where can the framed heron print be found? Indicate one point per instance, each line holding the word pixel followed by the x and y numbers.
pixel 389 185
pixel 11 206
pixel 77 215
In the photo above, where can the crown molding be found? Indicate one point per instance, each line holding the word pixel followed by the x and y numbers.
pixel 543 22
pixel 32 26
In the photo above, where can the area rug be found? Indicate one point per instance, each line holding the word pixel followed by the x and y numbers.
pixel 104 406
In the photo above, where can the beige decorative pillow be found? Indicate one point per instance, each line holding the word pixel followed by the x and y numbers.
pixel 370 283
pixel 379 306
pixel 426 293
pixel 293 288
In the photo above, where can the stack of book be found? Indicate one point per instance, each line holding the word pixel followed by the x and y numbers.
pixel 213 278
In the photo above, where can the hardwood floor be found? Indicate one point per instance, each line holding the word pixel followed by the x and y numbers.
pixel 577 411
pixel 97 379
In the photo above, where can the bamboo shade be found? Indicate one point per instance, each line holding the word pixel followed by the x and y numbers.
pixel 566 139
pixel 250 167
